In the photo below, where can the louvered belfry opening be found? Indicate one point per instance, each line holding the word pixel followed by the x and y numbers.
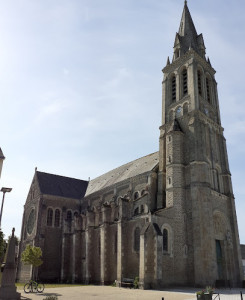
pixel 173 88
pixel 185 82
pixel 199 78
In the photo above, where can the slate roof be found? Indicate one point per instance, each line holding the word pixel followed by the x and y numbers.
pixel 131 169
pixel 243 251
pixel 56 185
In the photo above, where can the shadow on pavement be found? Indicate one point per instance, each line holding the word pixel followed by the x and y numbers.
pixel 48 294
pixel 40 294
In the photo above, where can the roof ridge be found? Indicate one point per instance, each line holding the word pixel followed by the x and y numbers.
pixel 60 176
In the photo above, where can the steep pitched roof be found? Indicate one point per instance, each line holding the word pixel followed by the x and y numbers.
pixel 1 154
pixel 131 169
pixel 56 185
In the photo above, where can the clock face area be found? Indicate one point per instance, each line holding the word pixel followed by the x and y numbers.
pixel 31 221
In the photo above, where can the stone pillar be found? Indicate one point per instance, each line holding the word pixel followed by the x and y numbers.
pixel 178 88
pixel 164 99
pixel 73 257
pixel 192 85
pixel 158 261
pixel 87 256
pixel 119 253
pixel 142 262
pixel 62 258
pixel 102 254
pixel 161 195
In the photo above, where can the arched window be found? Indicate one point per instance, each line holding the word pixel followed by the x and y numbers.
pixel 165 240
pixel 57 218
pixel 137 239
pixel 173 88
pixel 199 80
pixel 208 90
pixel 185 82
pixel 136 211
pixel 69 216
pixel 136 195
pixel 50 217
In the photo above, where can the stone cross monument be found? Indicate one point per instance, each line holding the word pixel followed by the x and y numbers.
pixel 8 288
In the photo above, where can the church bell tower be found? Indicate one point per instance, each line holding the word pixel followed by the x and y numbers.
pixel 194 176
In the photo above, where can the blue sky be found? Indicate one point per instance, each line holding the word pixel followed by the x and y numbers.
pixel 80 86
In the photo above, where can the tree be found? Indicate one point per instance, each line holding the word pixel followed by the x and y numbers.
pixel 32 256
pixel 3 246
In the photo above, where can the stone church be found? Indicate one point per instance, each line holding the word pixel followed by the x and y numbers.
pixel 168 218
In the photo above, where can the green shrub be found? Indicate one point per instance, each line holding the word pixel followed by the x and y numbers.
pixel 136 282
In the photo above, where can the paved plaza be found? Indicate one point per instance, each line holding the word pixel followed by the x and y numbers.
pixel 108 293
pixel 112 293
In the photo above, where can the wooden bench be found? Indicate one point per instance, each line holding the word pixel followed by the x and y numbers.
pixel 127 282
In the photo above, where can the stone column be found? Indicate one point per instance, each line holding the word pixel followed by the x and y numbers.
pixel 62 258
pixel 142 262
pixel 87 243
pixel 102 254
pixel 119 253
pixel 192 85
pixel 164 99
pixel 158 260
pixel 73 258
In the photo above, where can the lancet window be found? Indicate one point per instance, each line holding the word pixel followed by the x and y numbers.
pixel 57 218
pixel 50 217
pixel 165 240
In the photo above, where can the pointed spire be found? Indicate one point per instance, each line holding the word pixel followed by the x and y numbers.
pixel 187 26
pixel 168 61
pixel 187 37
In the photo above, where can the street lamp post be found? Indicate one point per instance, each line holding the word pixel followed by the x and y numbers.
pixel 4 190
pixel 1 160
